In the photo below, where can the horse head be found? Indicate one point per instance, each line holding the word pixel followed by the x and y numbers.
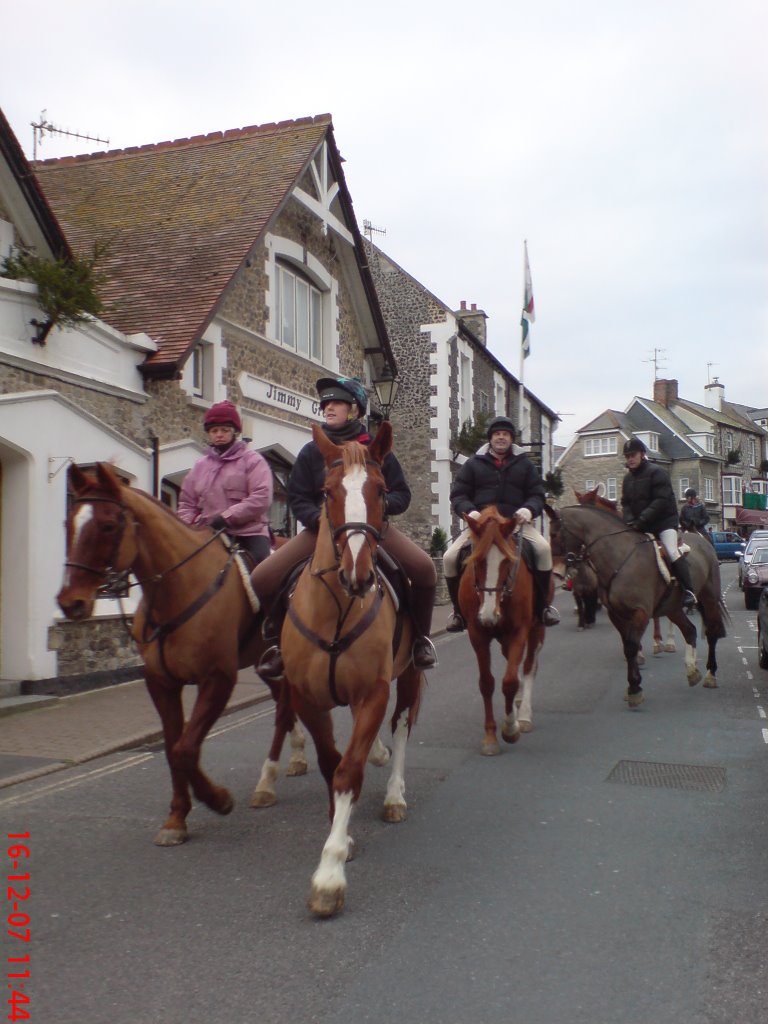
pixel 98 543
pixel 594 497
pixel 494 561
pixel 355 492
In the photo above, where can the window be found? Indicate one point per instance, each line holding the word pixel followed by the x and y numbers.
pixel 683 486
pixel 610 489
pixel 760 486
pixel 485 405
pixel 731 490
pixel 299 321
pixel 590 485
pixel 752 452
pixel 709 489
pixel 600 445
pixel 650 439
pixel 729 441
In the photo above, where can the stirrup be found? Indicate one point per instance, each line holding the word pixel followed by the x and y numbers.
pixel 455 624
pixel 689 600
pixel 423 653
pixel 271 664
pixel 550 616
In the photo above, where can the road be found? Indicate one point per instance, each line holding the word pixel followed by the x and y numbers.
pixel 541 886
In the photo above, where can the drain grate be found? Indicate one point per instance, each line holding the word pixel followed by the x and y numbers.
pixel 669 776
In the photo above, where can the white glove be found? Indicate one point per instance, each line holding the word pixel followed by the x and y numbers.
pixel 523 515
pixel 474 514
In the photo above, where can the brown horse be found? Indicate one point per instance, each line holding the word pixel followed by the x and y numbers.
pixel 194 623
pixel 496 599
pixel 634 590
pixel 588 577
pixel 343 642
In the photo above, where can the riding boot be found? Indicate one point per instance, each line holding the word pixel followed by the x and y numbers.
pixel 271 662
pixel 456 622
pixel 682 573
pixel 546 612
pixel 422 602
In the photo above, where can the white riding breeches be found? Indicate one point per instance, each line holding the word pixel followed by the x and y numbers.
pixel 668 539
pixel 542 553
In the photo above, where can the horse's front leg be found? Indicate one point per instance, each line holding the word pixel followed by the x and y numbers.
pixel 524 700
pixel 212 696
pixel 329 882
pixel 710 679
pixel 406 707
pixel 481 642
pixel 167 700
pixel 513 650
pixel 631 632
pixel 286 724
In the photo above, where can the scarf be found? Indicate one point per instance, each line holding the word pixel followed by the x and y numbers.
pixel 353 430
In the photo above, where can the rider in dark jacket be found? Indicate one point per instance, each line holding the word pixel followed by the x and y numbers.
pixel 648 504
pixel 343 401
pixel 693 514
pixel 503 476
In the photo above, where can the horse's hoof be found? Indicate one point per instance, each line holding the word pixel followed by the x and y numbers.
pixel 490 748
pixel 525 726
pixel 641 659
pixel 297 767
pixel 694 678
pixel 510 737
pixel 710 682
pixel 263 799
pixel 657 649
pixel 223 803
pixel 326 903
pixel 579 629
pixel 394 813
pixel 171 837
pixel 634 700
pixel 670 649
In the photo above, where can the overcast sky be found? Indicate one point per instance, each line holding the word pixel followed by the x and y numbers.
pixel 625 141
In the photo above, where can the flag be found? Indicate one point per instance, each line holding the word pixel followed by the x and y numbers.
pixel 529 311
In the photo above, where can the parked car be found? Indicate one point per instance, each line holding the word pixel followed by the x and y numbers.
pixel 755 578
pixel 762 629
pixel 758 539
pixel 727 544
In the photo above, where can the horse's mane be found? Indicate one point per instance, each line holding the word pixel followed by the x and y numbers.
pixel 155 502
pixel 353 454
pixel 598 510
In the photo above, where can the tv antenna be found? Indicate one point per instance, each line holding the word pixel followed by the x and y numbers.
pixel 43 127
pixel 709 374
pixel 369 231
pixel 657 360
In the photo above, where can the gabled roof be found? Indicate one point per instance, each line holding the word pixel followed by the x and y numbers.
pixel 650 415
pixel 728 416
pixel 182 217
pixel 609 419
pixel 23 197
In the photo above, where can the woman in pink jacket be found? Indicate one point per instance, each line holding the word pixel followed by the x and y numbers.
pixel 230 487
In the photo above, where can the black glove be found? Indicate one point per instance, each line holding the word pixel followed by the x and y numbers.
pixel 218 523
pixel 640 526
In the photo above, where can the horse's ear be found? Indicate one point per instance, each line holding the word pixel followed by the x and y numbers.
pixel 107 478
pixel 472 524
pixel 328 449
pixel 381 445
pixel 579 496
pixel 78 479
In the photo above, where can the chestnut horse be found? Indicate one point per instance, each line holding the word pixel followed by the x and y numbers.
pixel 496 599
pixel 194 623
pixel 634 590
pixel 343 642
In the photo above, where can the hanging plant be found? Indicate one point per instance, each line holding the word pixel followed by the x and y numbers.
pixel 553 483
pixel 67 288
pixel 439 542
pixel 471 436
pixel 733 457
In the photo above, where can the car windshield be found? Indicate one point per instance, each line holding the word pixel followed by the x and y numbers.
pixel 761 556
pixel 757 539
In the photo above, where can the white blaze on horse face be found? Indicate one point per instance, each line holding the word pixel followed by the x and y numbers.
pixel 488 613
pixel 355 511
pixel 80 520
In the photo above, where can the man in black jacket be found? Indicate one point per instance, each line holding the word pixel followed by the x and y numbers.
pixel 509 480
pixel 648 504
pixel 693 515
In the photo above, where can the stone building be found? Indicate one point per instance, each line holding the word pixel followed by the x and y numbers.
pixel 447 376
pixel 235 269
pixel 714 447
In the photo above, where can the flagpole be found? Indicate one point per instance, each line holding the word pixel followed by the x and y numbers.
pixel 524 329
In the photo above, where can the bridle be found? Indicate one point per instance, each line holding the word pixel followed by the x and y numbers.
pixel 506 589
pixel 373 536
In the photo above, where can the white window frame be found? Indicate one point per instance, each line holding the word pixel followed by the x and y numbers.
pixel 752 452
pixel 283 254
pixel 612 488
pixel 709 489
pixel 732 489
pixel 298 319
pixel 683 485
pixel 604 445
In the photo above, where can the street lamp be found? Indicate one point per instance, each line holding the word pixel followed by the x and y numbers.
pixel 386 388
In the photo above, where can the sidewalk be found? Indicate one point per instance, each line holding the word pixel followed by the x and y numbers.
pixel 44 735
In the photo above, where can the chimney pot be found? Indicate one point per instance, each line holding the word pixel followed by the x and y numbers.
pixel 474 307
pixel 463 303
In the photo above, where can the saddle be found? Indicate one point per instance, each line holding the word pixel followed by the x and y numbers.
pixel 662 558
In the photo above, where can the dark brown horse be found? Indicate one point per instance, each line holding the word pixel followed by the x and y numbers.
pixel 194 624
pixel 496 599
pixel 343 642
pixel 633 588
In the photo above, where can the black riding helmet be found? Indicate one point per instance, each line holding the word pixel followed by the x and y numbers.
pixel 342 389
pixel 691 493
pixel 634 444
pixel 501 423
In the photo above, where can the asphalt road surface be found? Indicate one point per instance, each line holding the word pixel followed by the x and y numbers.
pixel 610 868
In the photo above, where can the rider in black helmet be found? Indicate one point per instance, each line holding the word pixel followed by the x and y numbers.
pixel 648 504
pixel 693 515
pixel 504 476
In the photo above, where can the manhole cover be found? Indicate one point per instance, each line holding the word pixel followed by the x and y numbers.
pixel 668 776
